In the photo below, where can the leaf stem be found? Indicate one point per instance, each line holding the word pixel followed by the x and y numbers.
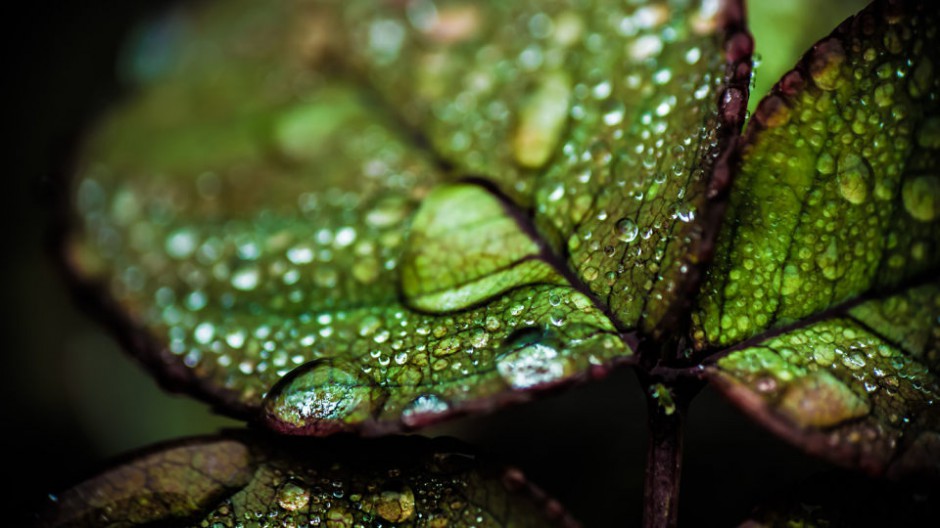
pixel 663 459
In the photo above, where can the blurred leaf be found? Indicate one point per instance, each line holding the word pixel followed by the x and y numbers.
pixel 226 480
pixel 306 210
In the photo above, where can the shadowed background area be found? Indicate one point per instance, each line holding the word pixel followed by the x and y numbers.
pixel 72 399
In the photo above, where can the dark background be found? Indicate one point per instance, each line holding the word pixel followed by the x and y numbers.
pixel 71 399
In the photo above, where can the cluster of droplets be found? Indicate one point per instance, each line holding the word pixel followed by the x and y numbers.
pixel 630 174
pixel 440 492
pixel 415 368
pixel 841 190
pixel 835 371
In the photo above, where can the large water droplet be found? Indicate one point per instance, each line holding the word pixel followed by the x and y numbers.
pixel 854 177
pixel 320 397
pixel 825 63
pixel 627 230
pixel 541 121
pixel 293 495
pixel 414 414
pixel 532 359
pixel 395 503
pixel 245 279
pixel 921 196
pixel 613 112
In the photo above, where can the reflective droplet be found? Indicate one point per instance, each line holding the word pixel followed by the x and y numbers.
pixel 825 63
pixel 825 163
pixel 181 243
pixel 245 279
pixel 426 404
pixel 396 503
pixel 320 398
pixel 531 360
pixel 627 230
pixel 854 175
pixel 293 496
pixel 921 197
pixel 541 121
pixel 613 112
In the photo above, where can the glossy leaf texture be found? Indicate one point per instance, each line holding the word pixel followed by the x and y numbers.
pixel 825 276
pixel 240 478
pixel 309 214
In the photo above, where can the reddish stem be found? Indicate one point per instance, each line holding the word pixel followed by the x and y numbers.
pixel 663 465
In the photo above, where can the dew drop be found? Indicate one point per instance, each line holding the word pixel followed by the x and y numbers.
pixel 921 197
pixel 293 496
pixel 530 360
pixel 854 177
pixel 320 397
pixel 414 413
pixel 245 279
pixel 395 503
pixel 613 112
pixel 825 63
pixel 627 230
pixel 181 243
pixel 825 164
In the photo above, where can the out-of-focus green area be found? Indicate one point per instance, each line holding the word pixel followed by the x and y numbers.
pixel 71 398
pixel 784 29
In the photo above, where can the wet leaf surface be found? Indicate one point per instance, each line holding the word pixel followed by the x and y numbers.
pixel 830 246
pixel 836 194
pixel 351 249
pixel 601 118
pixel 240 478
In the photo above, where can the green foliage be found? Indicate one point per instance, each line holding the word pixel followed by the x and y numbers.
pixel 233 478
pixel 342 217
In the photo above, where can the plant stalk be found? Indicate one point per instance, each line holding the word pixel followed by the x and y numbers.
pixel 663 463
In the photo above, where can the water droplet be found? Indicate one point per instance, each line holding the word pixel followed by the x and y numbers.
pixel 388 212
pixel 245 279
pixel 181 243
pixel 302 254
pixel 613 112
pixel 590 273
pixel 825 63
pixel 204 333
pixel 396 503
pixel 541 121
pixel 627 230
pixel 235 339
pixel 825 163
pixel 426 404
pixel 854 175
pixel 293 496
pixel 853 361
pixel 321 397
pixel 921 197
pixel 531 360
pixel 829 262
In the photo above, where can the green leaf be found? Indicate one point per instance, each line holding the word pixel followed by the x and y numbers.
pixel 332 256
pixel 224 481
pixel 838 189
pixel 859 386
pixel 603 118
pixel 832 244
